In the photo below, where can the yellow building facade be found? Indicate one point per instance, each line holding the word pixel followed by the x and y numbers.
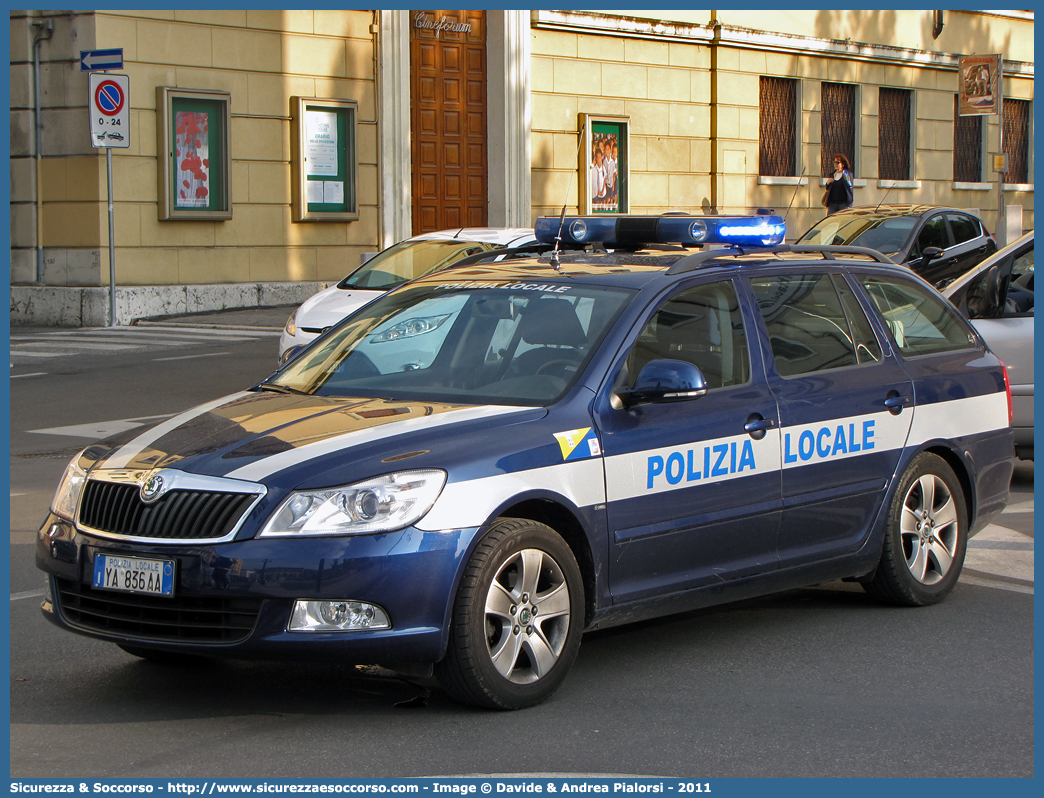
pixel 692 91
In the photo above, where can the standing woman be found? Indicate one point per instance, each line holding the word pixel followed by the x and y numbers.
pixel 839 189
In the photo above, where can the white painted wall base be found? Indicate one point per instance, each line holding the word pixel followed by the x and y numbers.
pixel 61 306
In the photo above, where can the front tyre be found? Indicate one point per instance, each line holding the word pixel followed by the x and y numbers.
pixel 926 536
pixel 517 618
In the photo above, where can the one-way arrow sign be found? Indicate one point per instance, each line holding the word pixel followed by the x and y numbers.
pixel 95 60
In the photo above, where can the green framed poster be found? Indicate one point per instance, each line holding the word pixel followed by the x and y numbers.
pixel 324 166
pixel 194 162
pixel 605 169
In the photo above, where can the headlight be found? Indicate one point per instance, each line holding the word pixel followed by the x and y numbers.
pixel 410 328
pixel 68 494
pixel 382 504
pixel 291 324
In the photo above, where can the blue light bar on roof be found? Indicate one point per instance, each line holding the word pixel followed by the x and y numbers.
pixel 635 231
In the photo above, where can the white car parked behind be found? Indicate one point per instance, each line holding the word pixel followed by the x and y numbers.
pixel 393 266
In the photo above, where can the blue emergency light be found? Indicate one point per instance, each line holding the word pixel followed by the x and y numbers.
pixel 636 231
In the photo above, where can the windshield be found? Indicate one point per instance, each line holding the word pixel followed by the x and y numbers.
pixel 886 235
pixel 502 343
pixel 409 260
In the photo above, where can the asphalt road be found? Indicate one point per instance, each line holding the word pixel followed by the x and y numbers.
pixel 819 682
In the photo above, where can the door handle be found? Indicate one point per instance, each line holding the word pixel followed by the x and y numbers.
pixel 757 425
pixel 895 403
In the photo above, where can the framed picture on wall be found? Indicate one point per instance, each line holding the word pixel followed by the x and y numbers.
pixel 605 164
pixel 323 165
pixel 194 162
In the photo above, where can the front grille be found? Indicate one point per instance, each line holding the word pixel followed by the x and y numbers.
pixel 181 619
pixel 117 508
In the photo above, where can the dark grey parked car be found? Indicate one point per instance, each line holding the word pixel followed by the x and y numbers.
pixel 938 243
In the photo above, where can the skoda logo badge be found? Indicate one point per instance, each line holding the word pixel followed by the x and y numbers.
pixel 152 489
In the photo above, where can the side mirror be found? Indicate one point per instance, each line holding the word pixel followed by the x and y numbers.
pixel 290 354
pixel 665 381
pixel 931 253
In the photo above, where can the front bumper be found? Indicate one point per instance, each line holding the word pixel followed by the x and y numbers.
pixel 300 338
pixel 235 599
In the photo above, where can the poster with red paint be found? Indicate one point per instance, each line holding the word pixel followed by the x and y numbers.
pixel 192 159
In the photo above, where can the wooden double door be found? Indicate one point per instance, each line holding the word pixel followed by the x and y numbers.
pixel 448 119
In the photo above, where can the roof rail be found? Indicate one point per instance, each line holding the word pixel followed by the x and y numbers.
pixel 828 252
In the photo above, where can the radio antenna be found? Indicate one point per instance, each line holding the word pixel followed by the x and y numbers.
pixel 885 195
pixel 561 219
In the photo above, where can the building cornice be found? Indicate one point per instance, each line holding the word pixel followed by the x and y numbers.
pixel 745 38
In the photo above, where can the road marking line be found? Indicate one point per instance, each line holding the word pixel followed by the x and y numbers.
pixel 189 357
pixel 977 582
pixel 186 338
pixel 99 429
pixel 32 374
pixel 27 594
pixel 74 343
pixel 17 353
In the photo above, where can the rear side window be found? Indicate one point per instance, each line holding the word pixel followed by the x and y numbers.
pixel 920 322
pixel 807 325
pixel 964 228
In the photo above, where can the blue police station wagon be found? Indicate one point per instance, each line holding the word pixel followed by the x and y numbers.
pixel 474 469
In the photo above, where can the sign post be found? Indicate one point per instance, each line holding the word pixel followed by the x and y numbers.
pixel 109 108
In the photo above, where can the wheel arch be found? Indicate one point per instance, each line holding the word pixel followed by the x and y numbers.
pixel 563 521
pixel 961 471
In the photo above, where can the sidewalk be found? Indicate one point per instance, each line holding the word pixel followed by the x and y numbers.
pixel 273 318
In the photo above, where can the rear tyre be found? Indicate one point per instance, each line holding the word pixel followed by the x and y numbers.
pixel 926 536
pixel 517 618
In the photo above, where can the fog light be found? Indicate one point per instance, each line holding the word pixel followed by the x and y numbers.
pixel 337 616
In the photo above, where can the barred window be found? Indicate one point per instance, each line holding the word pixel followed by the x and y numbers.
pixel 893 134
pixel 967 146
pixel 838 125
pixel 777 127
pixel 1016 139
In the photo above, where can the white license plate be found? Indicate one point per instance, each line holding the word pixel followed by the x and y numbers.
pixel 133 575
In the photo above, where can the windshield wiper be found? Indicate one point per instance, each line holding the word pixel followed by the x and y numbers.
pixel 268 386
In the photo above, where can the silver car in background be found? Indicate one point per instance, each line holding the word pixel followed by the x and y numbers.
pixel 997 296
pixel 399 263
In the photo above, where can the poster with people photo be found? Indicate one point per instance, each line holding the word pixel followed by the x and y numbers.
pixel 605 167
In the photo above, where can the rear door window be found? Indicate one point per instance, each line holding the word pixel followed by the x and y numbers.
pixel 806 323
pixel 963 227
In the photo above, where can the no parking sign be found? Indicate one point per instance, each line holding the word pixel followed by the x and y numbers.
pixel 110 110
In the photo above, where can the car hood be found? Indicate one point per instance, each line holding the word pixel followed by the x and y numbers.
pixel 331 305
pixel 287 438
